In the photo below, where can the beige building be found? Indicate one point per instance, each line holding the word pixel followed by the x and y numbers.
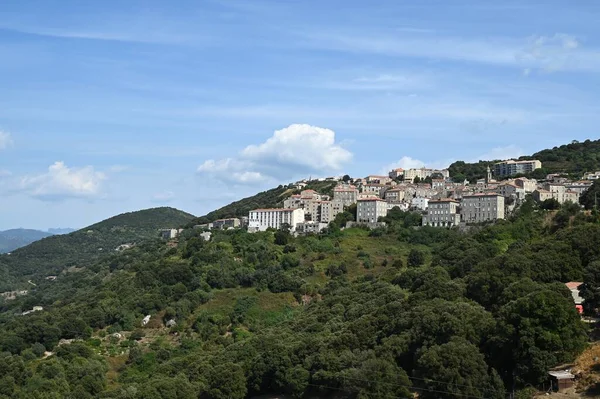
pixel 423 173
pixel 528 185
pixel 369 210
pixel 442 213
pixel 396 173
pixel 541 195
pixel 483 207
pixel 561 193
pixel 374 189
pixel 395 194
pixel 226 223
pixel 378 179
pixel 276 218
pixel 512 167
pixel 346 194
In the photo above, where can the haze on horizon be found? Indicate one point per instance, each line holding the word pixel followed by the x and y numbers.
pixel 122 105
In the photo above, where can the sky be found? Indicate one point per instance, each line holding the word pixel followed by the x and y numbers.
pixel 115 106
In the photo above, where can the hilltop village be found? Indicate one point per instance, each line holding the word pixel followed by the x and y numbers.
pixel 442 201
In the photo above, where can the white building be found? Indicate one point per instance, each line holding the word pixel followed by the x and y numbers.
pixel 369 210
pixel 512 167
pixel 562 194
pixel 396 173
pixel 276 218
pixel 419 203
pixel 442 213
pixel 483 207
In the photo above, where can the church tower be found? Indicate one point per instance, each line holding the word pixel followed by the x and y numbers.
pixel 488 177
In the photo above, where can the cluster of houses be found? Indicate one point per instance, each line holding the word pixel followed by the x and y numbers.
pixel 442 202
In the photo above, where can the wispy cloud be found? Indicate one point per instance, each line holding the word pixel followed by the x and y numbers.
pixel 550 53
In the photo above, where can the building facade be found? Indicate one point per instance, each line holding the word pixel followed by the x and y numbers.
pixel 483 207
pixel 512 167
pixel 442 213
pixel 227 223
pixel 369 210
pixel 346 194
pixel 276 218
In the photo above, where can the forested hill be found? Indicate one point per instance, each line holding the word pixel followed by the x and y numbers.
pixel 570 159
pixel 267 199
pixel 53 254
pixel 347 313
pixel 17 238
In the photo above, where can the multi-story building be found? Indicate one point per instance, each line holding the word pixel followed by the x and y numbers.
pixel 396 173
pixel 508 190
pixel 276 218
pixel 346 194
pixel 169 234
pixel 482 207
pixel 378 179
pixel 423 173
pixel 561 193
pixel 442 213
pixel 541 195
pixel 395 194
pixel 512 167
pixel 528 185
pixel 369 210
pixel 419 203
pixel 226 223
pixel 578 186
pixel 591 176
pixel 374 189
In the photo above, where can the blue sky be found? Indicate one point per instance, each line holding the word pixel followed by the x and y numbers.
pixel 114 106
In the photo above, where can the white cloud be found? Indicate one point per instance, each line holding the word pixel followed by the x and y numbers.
pixel 406 163
pixel 164 196
pixel 5 173
pixel 500 153
pixel 5 140
pixel 63 182
pixel 296 150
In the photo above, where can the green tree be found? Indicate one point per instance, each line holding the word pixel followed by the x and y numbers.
pixel 416 258
pixel 590 290
pixel 454 370
pixel 226 381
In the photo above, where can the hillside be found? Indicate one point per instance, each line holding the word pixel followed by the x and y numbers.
pixel 347 313
pixel 53 254
pixel 570 159
pixel 267 199
pixel 17 238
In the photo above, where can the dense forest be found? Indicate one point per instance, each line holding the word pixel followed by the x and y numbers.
pixel 570 159
pixel 54 254
pixel 352 313
pixel 17 238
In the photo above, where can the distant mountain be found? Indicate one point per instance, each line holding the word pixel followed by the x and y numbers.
pixel 17 238
pixel 570 159
pixel 60 230
pixel 78 249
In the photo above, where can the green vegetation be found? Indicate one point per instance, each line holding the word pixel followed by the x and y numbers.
pixel 352 312
pixel 571 160
pixel 55 254
pixel 17 238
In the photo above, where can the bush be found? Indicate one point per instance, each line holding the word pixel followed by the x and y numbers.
pixel 416 258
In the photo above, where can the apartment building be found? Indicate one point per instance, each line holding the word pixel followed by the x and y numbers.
pixel 346 194
pixel 528 185
pixel 369 210
pixel 396 173
pixel 482 207
pixel 442 213
pixel 561 193
pixel 276 218
pixel 419 203
pixel 423 173
pixel 512 167
pixel 395 194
